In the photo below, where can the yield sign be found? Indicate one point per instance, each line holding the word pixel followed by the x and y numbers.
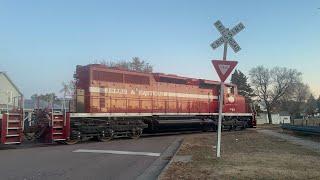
pixel 224 68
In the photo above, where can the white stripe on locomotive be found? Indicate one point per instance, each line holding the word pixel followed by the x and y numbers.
pixel 169 94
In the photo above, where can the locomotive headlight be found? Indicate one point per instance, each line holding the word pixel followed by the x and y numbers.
pixel 231 99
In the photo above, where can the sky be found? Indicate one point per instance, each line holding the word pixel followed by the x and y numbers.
pixel 42 42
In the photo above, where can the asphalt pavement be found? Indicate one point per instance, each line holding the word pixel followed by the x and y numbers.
pixel 117 159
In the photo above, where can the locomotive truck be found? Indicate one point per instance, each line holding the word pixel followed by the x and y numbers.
pixel 115 102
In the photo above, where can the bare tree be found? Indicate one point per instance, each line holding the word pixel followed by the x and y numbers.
pixel 311 105
pixel 44 97
pixel 140 65
pixel 271 85
pixel 295 100
pixel 135 65
pixel 302 92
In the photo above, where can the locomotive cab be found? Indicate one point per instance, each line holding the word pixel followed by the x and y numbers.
pixel 233 102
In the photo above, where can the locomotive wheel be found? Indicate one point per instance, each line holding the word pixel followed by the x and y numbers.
pixel 104 137
pixel 74 138
pixel 136 133
pixel 70 142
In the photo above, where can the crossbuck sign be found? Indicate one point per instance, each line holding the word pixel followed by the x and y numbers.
pixel 227 36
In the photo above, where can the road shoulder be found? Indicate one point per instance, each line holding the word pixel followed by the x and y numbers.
pixel 157 167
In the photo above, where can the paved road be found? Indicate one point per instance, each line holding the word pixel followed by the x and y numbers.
pixel 118 159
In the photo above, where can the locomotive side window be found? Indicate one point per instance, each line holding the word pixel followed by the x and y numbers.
pixel 136 79
pixel 107 76
pixel 172 80
pixel 207 86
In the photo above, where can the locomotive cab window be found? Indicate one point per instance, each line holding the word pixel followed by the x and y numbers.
pixel 230 90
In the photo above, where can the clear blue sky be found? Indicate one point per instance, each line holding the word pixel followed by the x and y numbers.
pixel 41 42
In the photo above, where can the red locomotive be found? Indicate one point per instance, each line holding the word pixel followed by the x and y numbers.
pixel 113 102
pixel 124 102
pixel 110 90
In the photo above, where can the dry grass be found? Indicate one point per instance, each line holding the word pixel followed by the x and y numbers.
pixel 245 155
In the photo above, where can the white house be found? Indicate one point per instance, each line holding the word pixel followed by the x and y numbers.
pixel 9 93
pixel 277 118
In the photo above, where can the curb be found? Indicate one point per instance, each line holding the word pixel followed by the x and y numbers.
pixel 170 162
pixel 155 171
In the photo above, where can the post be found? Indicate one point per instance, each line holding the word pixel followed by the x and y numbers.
pixel 225 51
pixel 9 101
pixel 7 107
pixel 64 109
pixel 220 119
pixel 221 105
pixel 23 113
pixel 52 109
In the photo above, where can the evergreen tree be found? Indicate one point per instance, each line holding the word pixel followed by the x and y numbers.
pixel 244 89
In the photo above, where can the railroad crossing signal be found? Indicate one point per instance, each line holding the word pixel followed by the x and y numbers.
pixel 224 68
pixel 227 36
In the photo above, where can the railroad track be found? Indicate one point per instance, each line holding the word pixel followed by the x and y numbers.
pixel 312 130
pixel 27 145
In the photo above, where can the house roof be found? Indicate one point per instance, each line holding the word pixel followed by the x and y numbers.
pixel 3 73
